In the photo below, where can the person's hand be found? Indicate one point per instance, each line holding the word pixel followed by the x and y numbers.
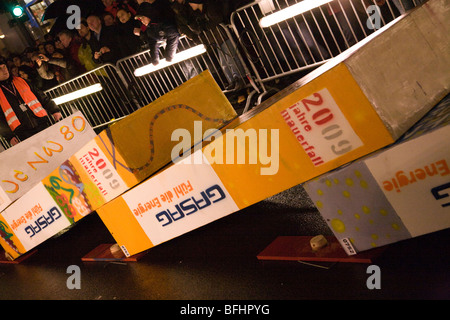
pixel 59 76
pixel 104 50
pixel 14 141
pixel 57 116
pixel 143 19
pixel 137 31
pixel 97 55
pixel 43 57
pixel 38 61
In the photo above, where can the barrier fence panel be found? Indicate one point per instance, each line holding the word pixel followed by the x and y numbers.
pixel 151 86
pixel 109 101
pixel 230 69
pixel 222 58
pixel 4 144
pixel 308 39
pixel 117 92
pixel 246 53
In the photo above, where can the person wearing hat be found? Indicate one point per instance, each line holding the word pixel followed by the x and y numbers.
pixel 24 109
pixel 160 20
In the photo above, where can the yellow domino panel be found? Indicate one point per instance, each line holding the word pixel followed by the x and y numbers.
pixel 245 182
pixel 123 226
pixel 143 139
pixel 116 159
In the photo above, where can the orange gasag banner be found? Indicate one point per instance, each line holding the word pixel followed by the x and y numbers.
pixel 112 162
pixel 318 124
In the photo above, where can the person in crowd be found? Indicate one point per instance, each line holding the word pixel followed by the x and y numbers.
pixel 27 62
pixel 31 76
pixel 40 82
pixel 208 16
pixel 9 62
pixel 24 109
pixel 104 41
pixel 41 48
pixel 85 54
pixel 130 43
pixel 51 50
pixel 15 71
pixel 108 19
pixel 49 37
pixel 71 45
pixel 17 60
pixel 112 6
pixel 59 45
pixel 405 5
pixel 51 68
pixel 186 20
pixel 159 18
pixel 28 52
pixel 348 14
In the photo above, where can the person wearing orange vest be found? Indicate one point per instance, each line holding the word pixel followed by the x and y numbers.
pixel 24 109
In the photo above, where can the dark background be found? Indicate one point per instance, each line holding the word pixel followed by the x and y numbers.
pixel 218 262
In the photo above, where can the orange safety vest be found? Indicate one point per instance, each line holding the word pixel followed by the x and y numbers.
pixel 28 97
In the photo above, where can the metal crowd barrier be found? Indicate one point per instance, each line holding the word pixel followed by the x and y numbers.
pixel 222 58
pixel 228 64
pixel 242 52
pixel 103 107
pixel 149 87
pixel 4 144
pixel 123 93
pixel 309 39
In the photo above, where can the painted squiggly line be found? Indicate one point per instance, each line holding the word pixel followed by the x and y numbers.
pixel 152 123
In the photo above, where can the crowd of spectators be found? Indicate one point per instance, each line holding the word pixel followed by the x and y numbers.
pixel 124 28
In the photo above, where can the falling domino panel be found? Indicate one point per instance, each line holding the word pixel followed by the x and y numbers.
pixel 145 216
pixel 112 162
pixel 394 194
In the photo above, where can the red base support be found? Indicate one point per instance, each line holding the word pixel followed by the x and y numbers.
pixel 4 260
pixel 103 253
pixel 298 248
